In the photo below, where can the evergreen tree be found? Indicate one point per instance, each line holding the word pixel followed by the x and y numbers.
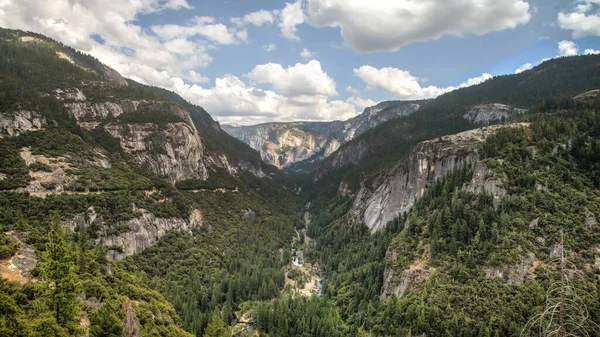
pixel 216 328
pixel 59 272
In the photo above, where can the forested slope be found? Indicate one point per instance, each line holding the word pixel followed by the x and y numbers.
pixel 95 166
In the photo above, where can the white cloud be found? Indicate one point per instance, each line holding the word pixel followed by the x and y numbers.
pixel 524 67
pixel 203 26
pixel 361 103
pixel 388 25
pixel 306 54
pixel 591 52
pixel 270 47
pixel 194 77
pixel 567 48
pixel 291 16
pixel 403 85
pixel 298 80
pixel 352 90
pixel 579 21
pixel 177 4
pixel 257 18
pixel 131 50
pixel 251 105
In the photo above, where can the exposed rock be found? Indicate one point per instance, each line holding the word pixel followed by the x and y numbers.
pixel 397 281
pixel 113 76
pixel 131 324
pixel 143 231
pixel 65 57
pixel 248 214
pixel 18 122
pixel 86 111
pixel 70 95
pixel 514 274
pixel 533 224
pixel 29 39
pixel 588 95
pixel 489 113
pixel 18 268
pixel 283 144
pixel 590 219
pixel 394 191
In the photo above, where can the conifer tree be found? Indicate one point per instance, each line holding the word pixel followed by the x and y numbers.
pixel 59 272
pixel 216 328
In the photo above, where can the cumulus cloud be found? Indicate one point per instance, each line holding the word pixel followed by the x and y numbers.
pixel 360 102
pixel 150 56
pixel 299 80
pixel 257 18
pixel 203 26
pixel 270 47
pixel 580 20
pixel 403 85
pixel 567 48
pixel 306 54
pixel 352 90
pixel 251 105
pixel 523 68
pixel 591 52
pixel 376 25
pixel 291 16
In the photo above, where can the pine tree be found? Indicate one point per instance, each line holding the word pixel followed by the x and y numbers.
pixel 59 272
pixel 216 328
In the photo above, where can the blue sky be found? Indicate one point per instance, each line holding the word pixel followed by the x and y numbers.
pixel 257 61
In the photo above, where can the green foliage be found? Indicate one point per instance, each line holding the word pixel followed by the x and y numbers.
pixel 104 323
pixel 58 270
pixel 37 166
pixel 299 317
pixel 8 247
pixel 216 328
pixel 388 143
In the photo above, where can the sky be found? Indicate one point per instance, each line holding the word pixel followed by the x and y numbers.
pixel 250 62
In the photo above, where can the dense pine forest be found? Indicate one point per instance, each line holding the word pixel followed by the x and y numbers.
pixel 257 252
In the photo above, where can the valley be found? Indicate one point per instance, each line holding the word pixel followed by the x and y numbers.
pixel 128 211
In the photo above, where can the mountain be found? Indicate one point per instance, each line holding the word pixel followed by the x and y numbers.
pixel 286 144
pixel 460 110
pixel 127 211
pixel 98 171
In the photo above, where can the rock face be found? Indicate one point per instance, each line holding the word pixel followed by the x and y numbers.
pixel 19 267
pixel 489 113
pixel 393 192
pixel 143 231
pixel 283 144
pixel 172 149
pixel 18 122
pixel 175 151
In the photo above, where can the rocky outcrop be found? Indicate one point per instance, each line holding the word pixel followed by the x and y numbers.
pixel 113 76
pixel 397 281
pixel 513 274
pixel 283 144
pixel 19 267
pixel 489 113
pixel 588 95
pixel 18 122
pixel 172 148
pixel 174 151
pixel 135 235
pixel 394 191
